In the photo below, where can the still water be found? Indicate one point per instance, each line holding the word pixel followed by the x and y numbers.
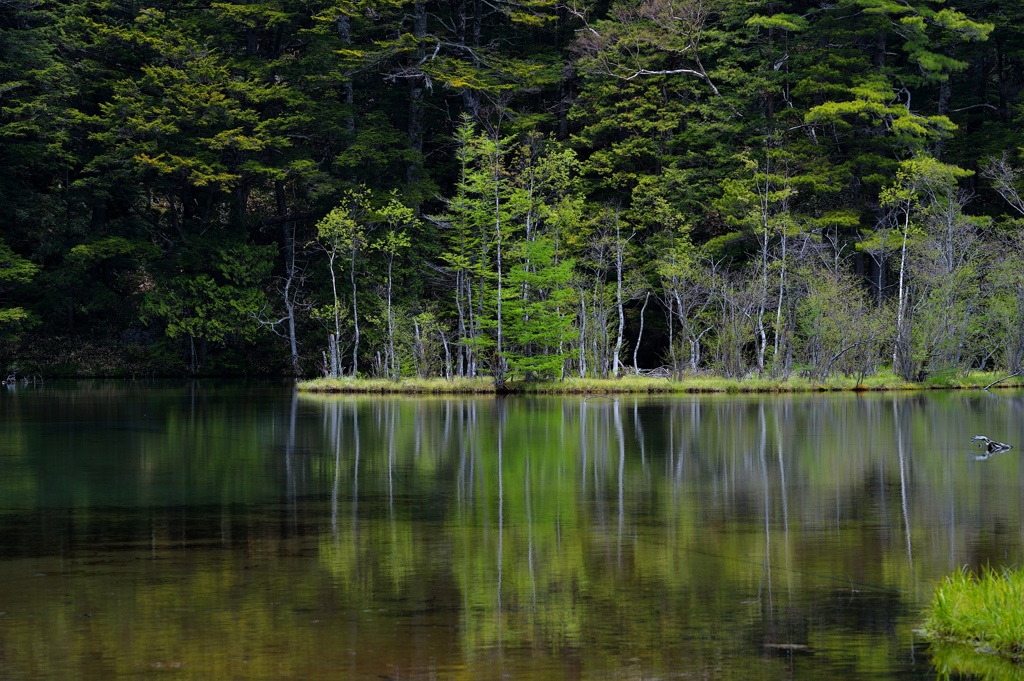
pixel 239 531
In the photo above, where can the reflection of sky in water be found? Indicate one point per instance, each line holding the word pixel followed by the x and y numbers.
pixel 242 532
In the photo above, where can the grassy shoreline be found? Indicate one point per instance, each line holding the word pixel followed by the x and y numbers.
pixel 640 385
pixel 979 611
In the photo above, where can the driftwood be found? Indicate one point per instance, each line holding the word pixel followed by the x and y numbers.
pixel 658 372
pixel 1004 378
pixel 990 446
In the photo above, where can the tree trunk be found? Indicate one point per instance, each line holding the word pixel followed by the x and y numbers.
pixel 619 248
pixel 355 313
pixel 332 345
pixel 391 359
pixel 447 355
pixel 669 315
pixel 640 335
pixel 291 282
pixel 416 93
pixel 499 361
pixel 463 341
pixel 761 338
pixel 762 301
pixel 332 339
pixel 583 334
pixel 945 96
pixel 901 359
pixel 878 58
pixel 902 296
pixel 419 354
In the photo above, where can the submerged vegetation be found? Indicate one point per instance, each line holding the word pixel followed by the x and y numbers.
pixel 979 611
pixel 522 192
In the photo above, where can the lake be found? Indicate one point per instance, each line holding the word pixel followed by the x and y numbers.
pixel 240 531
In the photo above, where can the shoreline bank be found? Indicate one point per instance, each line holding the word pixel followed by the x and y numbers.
pixel 639 385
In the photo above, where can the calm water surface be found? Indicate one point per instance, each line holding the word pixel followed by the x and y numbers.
pixel 228 531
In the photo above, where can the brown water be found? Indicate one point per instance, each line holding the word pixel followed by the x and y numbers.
pixel 242 532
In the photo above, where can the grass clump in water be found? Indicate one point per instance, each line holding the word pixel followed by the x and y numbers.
pixel 985 612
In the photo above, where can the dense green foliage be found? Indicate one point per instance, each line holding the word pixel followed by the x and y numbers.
pixel 513 190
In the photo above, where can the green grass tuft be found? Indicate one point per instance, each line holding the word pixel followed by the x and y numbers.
pixel 983 611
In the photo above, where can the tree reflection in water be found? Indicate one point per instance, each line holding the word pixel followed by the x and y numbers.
pixel 299 537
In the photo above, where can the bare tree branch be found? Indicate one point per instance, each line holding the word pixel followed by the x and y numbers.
pixel 1005 177
pixel 624 48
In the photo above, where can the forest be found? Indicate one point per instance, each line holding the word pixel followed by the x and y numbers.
pixel 518 189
